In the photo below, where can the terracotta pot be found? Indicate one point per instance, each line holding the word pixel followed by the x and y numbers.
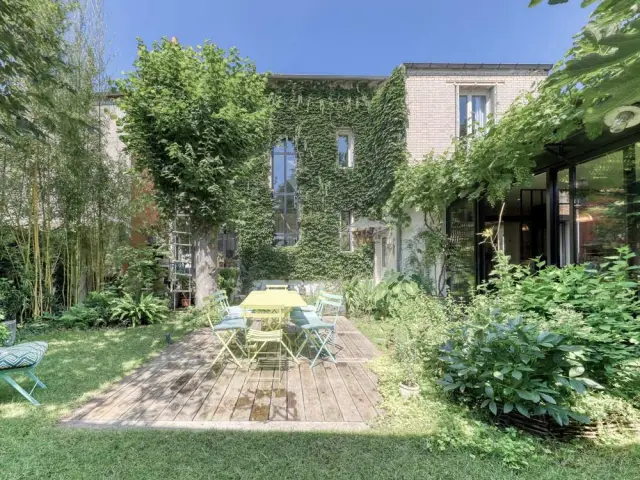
pixel 407 391
pixel 186 302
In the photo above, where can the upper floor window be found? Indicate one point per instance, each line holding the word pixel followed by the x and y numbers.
pixel 345 148
pixel 473 110
pixel 283 183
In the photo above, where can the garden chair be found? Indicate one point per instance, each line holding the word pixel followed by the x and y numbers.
pixel 271 334
pixel 227 329
pixel 22 358
pixel 298 313
pixel 221 301
pixel 317 331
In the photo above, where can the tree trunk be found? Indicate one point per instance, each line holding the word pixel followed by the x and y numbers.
pixel 205 262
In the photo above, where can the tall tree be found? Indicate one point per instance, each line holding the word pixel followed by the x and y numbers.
pixel 193 119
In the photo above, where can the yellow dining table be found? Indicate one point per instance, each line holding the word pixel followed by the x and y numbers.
pixel 274 298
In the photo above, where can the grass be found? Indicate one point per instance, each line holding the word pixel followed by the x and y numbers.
pixel 79 364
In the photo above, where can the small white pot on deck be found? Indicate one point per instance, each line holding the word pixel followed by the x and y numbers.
pixel 407 391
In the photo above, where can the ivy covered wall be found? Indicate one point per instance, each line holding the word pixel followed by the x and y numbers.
pixel 311 112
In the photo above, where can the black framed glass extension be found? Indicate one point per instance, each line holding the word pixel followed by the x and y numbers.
pixel 576 211
pixel 283 184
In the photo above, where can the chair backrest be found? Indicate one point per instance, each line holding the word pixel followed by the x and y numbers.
pixel 334 301
pixel 271 315
pixel 277 287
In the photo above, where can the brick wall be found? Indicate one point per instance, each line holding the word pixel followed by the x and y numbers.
pixel 432 99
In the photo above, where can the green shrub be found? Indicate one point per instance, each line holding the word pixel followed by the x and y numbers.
pixel 604 298
pixel 513 365
pixel 5 334
pixel 228 280
pixel 141 272
pixel 81 316
pixel 395 290
pixel 358 296
pixel 145 311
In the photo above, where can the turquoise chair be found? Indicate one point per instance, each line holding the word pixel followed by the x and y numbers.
pixel 319 332
pixel 22 358
pixel 297 314
pixel 221 302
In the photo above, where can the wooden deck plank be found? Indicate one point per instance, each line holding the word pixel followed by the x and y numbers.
pixel 131 390
pixel 367 386
pixel 278 407
pixel 132 411
pixel 355 351
pixel 348 409
pixel 312 407
pixel 228 402
pixel 330 408
pixel 363 404
pixel 295 400
pixel 194 403
pixel 183 396
pixel 103 397
pixel 364 345
pixel 210 404
pixel 260 409
pixel 168 395
pixel 244 404
pixel 343 350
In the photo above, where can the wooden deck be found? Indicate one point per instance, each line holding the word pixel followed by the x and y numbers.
pixel 181 389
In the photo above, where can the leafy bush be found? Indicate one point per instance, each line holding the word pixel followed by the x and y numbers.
pixel 12 299
pixel 141 271
pixel 358 296
pixel 395 290
pixel 5 334
pixel 600 305
pixel 513 365
pixel 83 317
pixel 228 280
pixel 145 311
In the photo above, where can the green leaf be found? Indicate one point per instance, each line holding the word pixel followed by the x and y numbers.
pixel 493 407
pixel 576 371
pixel 547 398
pixel 507 407
pixel 498 375
pixel 517 374
pixel 577 385
pixel 522 409
pixel 570 348
pixel 488 390
pixel 526 395
pixel 590 383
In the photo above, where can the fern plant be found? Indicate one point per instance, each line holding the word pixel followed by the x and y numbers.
pixel 146 311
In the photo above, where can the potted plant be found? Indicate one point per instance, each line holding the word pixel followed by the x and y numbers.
pixel 407 355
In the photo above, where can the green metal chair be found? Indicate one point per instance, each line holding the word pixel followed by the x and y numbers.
pixel 318 332
pixel 22 358
pixel 221 302
pixel 227 329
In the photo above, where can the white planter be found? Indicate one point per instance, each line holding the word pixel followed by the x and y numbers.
pixel 409 392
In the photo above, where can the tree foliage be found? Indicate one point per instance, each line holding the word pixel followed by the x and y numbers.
pixel 194 116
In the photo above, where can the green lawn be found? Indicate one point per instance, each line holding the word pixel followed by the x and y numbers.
pixel 80 363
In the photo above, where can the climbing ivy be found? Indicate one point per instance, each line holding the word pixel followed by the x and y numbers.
pixel 310 112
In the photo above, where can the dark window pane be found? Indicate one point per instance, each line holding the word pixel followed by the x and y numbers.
pixel 291 174
pixel 463 115
pixel 345 231
pixel 343 150
pixel 278 173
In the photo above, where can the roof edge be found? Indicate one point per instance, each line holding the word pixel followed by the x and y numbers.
pixel 480 66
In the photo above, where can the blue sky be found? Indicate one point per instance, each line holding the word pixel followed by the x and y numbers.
pixel 349 36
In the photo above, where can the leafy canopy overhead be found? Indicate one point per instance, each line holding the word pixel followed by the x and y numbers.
pixel 604 61
pixel 193 119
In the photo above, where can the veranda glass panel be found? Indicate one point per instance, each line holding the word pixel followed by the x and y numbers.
pixel 601 205
pixel 463 115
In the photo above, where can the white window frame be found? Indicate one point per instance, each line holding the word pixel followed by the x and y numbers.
pixel 350 148
pixel 469 92
pixel 348 232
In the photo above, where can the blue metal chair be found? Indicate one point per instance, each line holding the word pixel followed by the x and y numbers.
pixel 318 332
pixel 22 358
pixel 228 328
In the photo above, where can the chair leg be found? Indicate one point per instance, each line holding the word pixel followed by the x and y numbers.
pixel 323 347
pixel 35 379
pixel 20 390
pixel 225 347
